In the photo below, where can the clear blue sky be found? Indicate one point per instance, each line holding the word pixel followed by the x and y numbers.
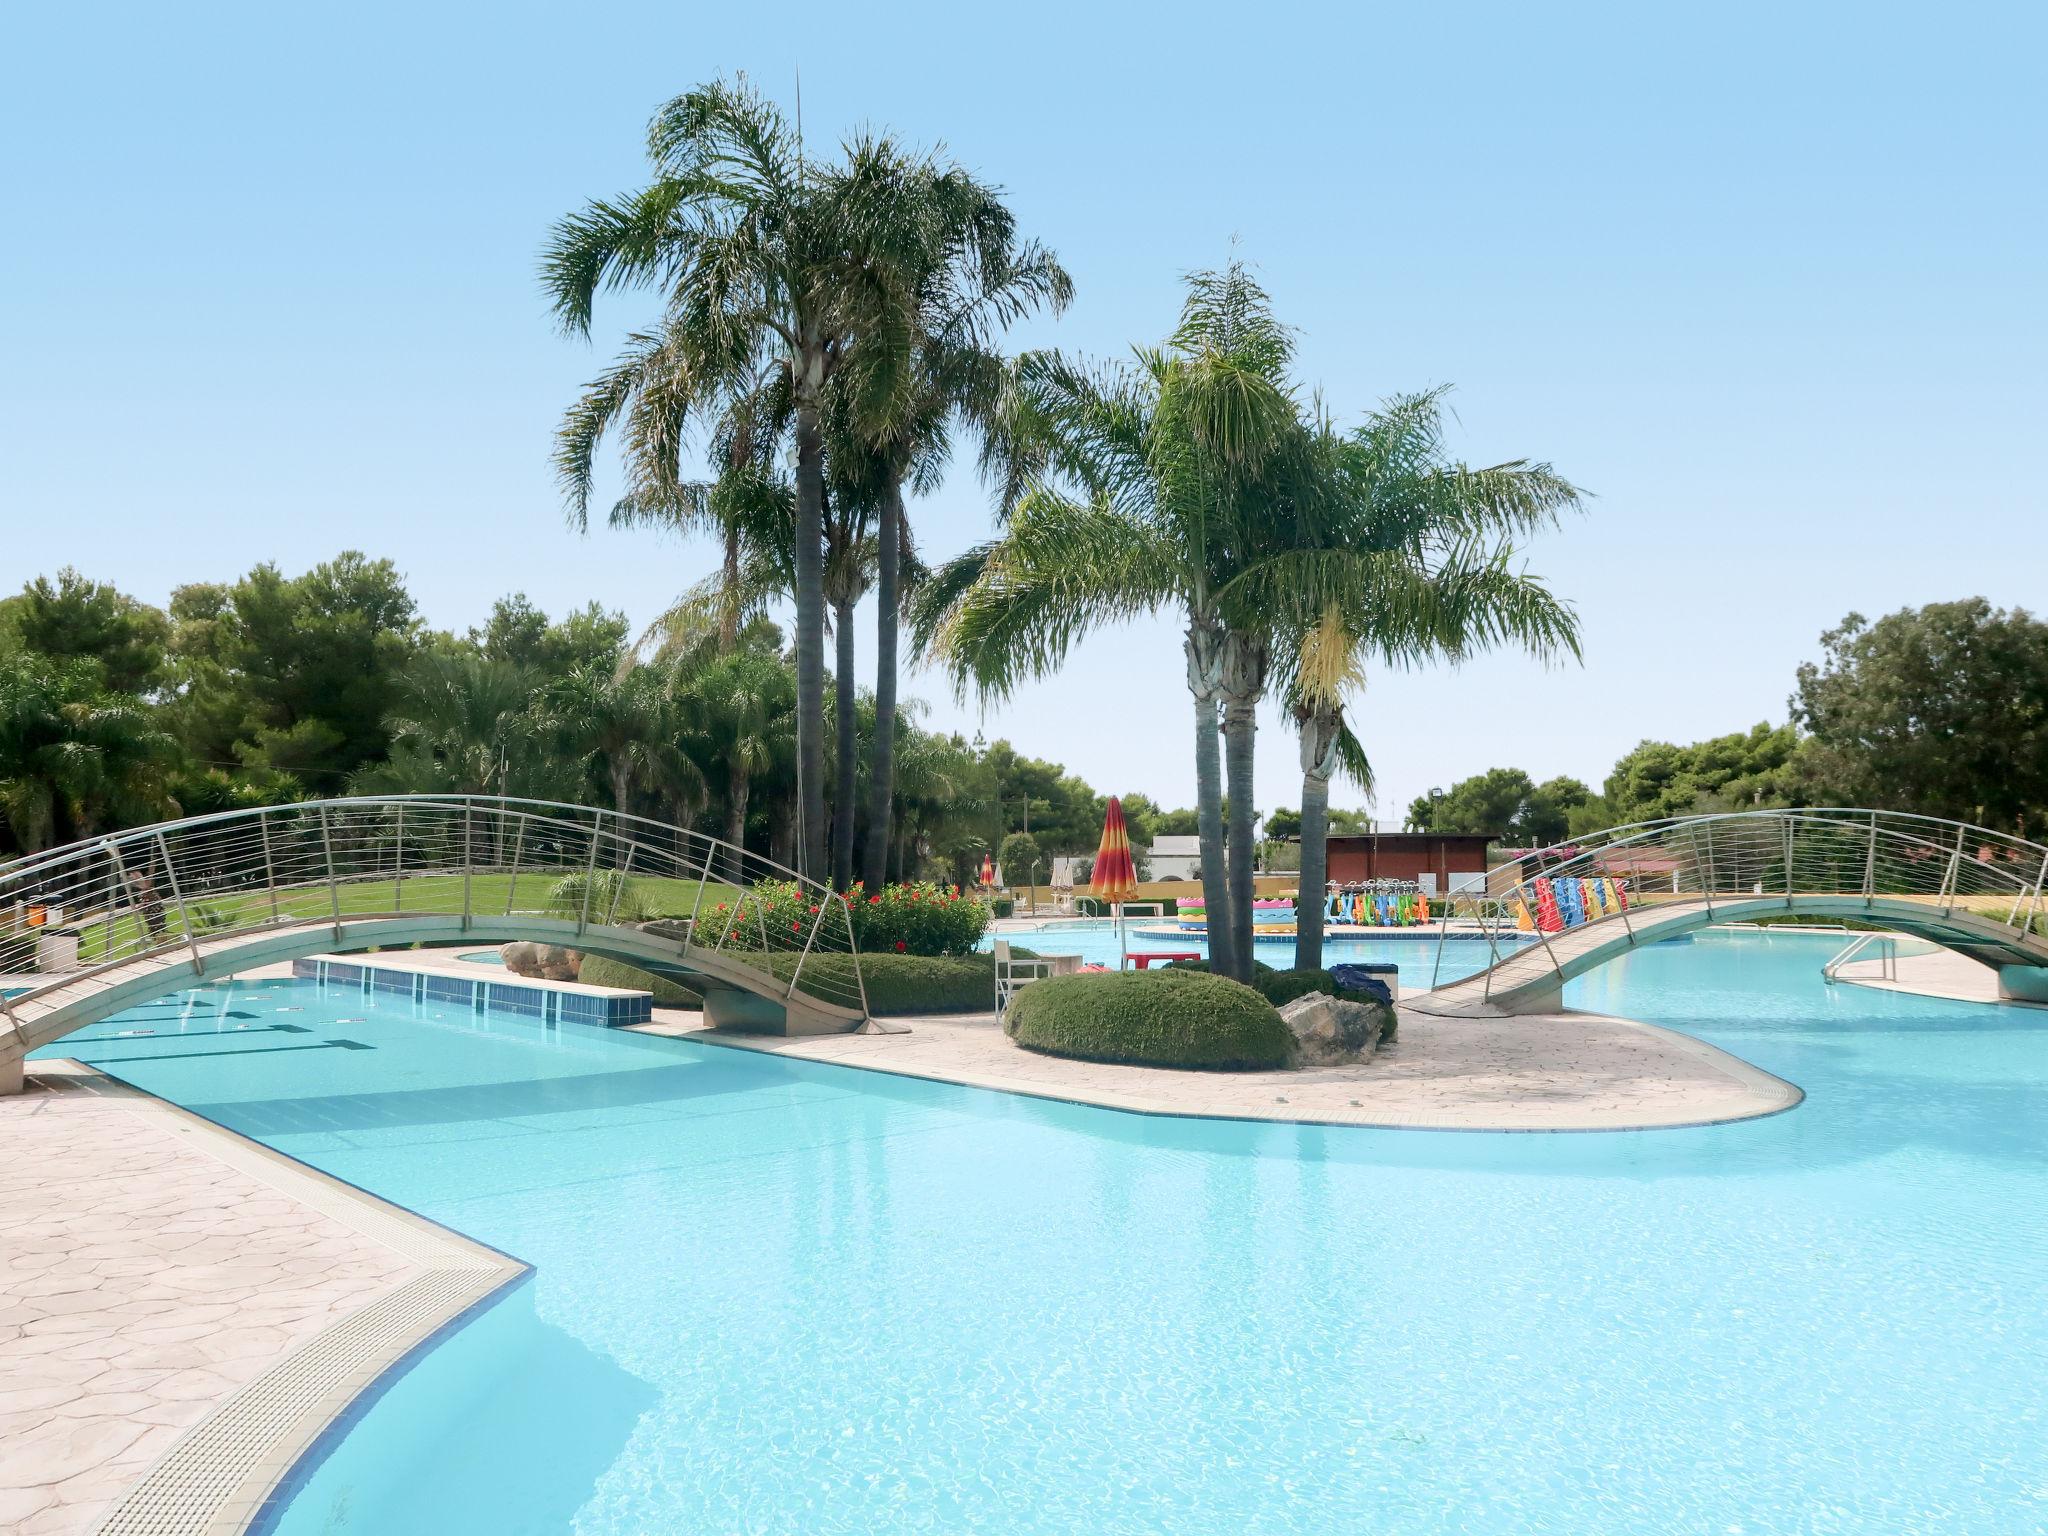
pixel 1767 278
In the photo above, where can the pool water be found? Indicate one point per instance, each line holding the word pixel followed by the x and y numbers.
pixel 1420 959
pixel 773 1295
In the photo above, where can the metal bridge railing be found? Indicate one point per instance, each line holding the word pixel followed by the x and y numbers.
pixel 1848 857
pixel 169 889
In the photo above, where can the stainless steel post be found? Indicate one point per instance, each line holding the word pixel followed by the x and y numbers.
pixel 333 880
pixel 518 848
pixel 184 916
pixel 269 868
pixel 1948 879
pixel 816 923
pixel 619 884
pixel 590 871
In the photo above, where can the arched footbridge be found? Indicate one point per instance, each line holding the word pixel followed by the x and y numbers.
pixel 154 909
pixel 1557 915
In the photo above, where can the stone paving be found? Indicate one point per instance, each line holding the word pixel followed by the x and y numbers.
pixel 1535 1072
pixel 1941 973
pixel 143 1281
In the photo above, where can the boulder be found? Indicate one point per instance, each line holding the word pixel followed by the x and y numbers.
pixel 1329 1031
pixel 559 964
pixel 550 962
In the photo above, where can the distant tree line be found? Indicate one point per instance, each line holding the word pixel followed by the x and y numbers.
pixel 274 688
pixel 1941 710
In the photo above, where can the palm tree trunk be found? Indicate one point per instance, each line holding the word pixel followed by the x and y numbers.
pixel 882 756
pixel 846 725
pixel 622 782
pixel 736 811
pixel 729 597
pixel 1318 762
pixel 810 629
pixel 1201 643
pixel 1240 725
pixel 1244 680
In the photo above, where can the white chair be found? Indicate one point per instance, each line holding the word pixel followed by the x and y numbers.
pixel 1011 975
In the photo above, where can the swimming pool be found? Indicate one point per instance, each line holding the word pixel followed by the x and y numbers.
pixel 1417 958
pixel 774 1295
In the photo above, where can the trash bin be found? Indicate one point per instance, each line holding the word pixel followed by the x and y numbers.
pixel 57 949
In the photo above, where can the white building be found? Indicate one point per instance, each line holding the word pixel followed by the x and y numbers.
pixel 1175 858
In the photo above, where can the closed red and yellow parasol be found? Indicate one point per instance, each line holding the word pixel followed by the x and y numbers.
pixel 1113 877
pixel 988 870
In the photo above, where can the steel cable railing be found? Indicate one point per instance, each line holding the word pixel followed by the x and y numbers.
pixel 176 888
pixel 1902 868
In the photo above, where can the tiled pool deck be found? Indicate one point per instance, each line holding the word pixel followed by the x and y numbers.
pixel 181 1310
pixel 1547 1072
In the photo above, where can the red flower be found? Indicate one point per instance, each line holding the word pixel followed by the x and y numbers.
pixel 901 946
pixel 814 906
pixel 796 927
pixel 874 901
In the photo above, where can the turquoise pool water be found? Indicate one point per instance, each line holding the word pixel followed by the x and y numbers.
pixel 1418 958
pixel 775 1296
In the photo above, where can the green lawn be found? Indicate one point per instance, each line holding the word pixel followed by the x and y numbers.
pixel 657 896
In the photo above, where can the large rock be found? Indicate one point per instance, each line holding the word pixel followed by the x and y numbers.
pixel 1329 1031
pixel 551 962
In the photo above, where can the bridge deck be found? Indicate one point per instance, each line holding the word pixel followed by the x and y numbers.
pixel 77 999
pixel 1528 979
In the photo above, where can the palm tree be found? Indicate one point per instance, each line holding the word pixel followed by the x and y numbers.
pixel 734 714
pixel 462 724
pixel 651 392
pixel 974 280
pixel 766 259
pixel 1131 489
pixel 1417 567
pixel 74 758
pixel 616 721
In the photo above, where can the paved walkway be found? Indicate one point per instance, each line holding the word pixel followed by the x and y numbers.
pixel 1551 1072
pixel 1944 973
pixel 181 1310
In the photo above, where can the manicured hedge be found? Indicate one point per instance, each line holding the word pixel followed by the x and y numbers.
pixel 1282 987
pixel 901 983
pixel 1175 1017
pixel 601 972
pixel 895 983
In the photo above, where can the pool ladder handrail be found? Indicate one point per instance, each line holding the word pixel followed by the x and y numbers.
pixel 1888 955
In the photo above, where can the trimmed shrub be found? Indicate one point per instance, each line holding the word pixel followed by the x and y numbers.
pixel 601 972
pixel 912 919
pixel 1175 1017
pixel 901 983
pixel 917 918
pixel 1004 906
pixel 1282 987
